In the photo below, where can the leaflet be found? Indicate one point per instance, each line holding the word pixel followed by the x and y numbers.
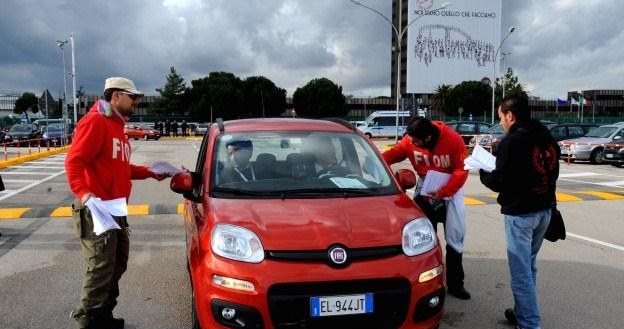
pixel 480 159
pixel 102 213
pixel 434 180
pixel 164 168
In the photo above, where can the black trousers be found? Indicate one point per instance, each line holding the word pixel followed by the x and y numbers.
pixel 454 267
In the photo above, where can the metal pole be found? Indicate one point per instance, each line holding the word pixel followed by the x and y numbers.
pixel 71 37
pixel 511 29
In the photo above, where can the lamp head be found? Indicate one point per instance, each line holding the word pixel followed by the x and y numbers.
pixel 511 29
pixel 61 43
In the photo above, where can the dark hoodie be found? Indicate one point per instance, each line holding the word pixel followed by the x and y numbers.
pixel 527 168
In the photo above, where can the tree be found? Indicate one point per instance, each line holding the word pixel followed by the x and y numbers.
pixel 320 98
pixel 219 94
pixel 28 101
pixel 262 98
pixel 473 96
pixel 440 97
pixel 171 96
pixel 512 86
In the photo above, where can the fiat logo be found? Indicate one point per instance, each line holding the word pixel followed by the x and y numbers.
pixel 338 255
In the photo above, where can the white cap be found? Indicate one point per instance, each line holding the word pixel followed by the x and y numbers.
pixel 122 83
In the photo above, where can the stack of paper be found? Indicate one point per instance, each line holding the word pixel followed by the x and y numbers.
pixel 434 180
pixel 164 168
pixel 480 159
pixel 102 213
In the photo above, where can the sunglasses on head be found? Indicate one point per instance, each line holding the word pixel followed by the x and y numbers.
pixel 131 95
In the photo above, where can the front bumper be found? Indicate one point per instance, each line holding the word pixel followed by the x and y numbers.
pixel 283 290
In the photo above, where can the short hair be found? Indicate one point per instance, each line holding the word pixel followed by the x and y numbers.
pixel 108 93
pixel 518 105
pixel 421 128
pixel 240 144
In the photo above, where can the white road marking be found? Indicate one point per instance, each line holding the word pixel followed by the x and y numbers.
pixel 33 184
pixel 39 167
pixel 613 184
pixel 580 174
pixel 25 173
pixel 602 243
pixel 19 180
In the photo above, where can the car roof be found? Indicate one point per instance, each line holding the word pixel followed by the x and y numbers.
pixel 284 124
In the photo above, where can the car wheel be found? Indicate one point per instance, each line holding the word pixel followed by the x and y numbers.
pixel 369 135
pixel 145 137
pixel 596 156
pixel 619 165
pixel 194 319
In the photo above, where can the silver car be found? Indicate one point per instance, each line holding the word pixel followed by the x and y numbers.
pixel 590 147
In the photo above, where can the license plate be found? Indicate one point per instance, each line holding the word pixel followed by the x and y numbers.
pixel 609 156
pixel 341 305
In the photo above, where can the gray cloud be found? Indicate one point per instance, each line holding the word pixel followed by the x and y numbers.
pixel 559 45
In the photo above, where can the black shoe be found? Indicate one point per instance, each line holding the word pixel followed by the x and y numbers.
pixel 460 293
pixel 114 323
pixel 510 315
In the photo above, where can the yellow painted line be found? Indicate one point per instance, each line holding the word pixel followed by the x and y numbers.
pixel 180 208
pixel 62 212
pixel 138 209
pixel 604 195
pixel 12 213
pixel 473 202
pixel 564 197
pixel 492 195
pixel 30 157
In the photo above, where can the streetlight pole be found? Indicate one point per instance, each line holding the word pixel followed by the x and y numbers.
pixel 399 36
pixel 510 31
pixel 61 44
pixel 503 57
pixel 73 73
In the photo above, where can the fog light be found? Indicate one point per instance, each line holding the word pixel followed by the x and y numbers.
pixel 430 275
pixel 228 313
pixel 433 302
pixel 233 283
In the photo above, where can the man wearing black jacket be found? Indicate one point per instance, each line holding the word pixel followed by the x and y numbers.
pixel 527 168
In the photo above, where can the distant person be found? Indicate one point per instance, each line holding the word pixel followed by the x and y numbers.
pixel 174 128
pixel 184 128
pixel 168 128
pixel 527 168
pixel 98 165
pixel 434 146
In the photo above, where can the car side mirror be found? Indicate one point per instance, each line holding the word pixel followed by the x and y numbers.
pixel 617 137
pixel 183 183
pixel 406 178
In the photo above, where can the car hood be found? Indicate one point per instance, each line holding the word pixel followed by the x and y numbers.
pixel 315 224
pixel 591 140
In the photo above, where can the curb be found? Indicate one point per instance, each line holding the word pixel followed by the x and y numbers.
pixel 33 156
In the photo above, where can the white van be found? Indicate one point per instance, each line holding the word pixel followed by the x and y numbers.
pixel 383 123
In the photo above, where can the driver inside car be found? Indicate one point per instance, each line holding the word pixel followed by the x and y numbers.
pixel 325 160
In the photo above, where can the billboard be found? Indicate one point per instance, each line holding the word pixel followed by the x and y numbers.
pixel 451 45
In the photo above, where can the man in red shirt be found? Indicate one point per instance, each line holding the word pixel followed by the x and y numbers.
pixel 98 165
pixel 434 146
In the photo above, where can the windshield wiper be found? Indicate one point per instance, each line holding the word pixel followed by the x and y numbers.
pixel 234 191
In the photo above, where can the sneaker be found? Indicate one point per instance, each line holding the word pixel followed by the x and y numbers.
pixel 510 315
pixel 460 293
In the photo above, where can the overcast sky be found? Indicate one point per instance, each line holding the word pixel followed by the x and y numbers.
pixel 558 45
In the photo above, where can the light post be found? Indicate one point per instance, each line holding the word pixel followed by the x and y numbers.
pixel 398 33
pixel 61 44
pixel 73 74
pixel 503 57
pixel 509 32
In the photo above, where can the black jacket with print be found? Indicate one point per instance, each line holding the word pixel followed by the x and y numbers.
pixel 527 168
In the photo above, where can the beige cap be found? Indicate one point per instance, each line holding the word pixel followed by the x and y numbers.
pixel 122 83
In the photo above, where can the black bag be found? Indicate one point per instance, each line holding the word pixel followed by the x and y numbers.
pixel 556 229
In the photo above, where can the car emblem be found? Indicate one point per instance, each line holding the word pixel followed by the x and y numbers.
pixel 338 255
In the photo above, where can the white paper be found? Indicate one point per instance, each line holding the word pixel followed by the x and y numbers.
pixel 164 168
pixel 480 159
pixel 345 182
pixel 102 213
pixel 434 180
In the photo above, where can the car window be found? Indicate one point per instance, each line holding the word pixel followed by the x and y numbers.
pixel 496 129
pixel 297 164
pixel 620 133
pixel 601 132
pixel 575 131
pixel 558 132
pixel 466 128
pixel 483 129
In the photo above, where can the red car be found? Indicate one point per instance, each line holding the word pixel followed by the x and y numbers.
pixel 294 223
pixel 140 132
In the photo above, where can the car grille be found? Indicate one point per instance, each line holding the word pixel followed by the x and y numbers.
pixel 322 256
pixel 289 304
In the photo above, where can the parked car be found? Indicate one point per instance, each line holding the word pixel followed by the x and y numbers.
pixel 139 131
pixel 53 134
pixel 591 146
pixel 469 129
pixel 23 132
pixel 614 153
pixel 277 244
pixel 200 129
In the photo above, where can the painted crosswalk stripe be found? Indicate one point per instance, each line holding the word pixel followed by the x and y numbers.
pixel 564 197
pixel 580 174
pixel 12 213
pixel 613 184
pixel 604 195
pixel 25 173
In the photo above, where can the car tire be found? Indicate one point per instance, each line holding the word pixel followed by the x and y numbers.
pixel 194 319
pixel 145 137
pixel 596 156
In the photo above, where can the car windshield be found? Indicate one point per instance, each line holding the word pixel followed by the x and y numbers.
pixel 601 132
pixel 496 129
pixel 21 128
pixel 297 165
pixel 54 128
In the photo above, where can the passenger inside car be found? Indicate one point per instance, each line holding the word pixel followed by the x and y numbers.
pixel 238 169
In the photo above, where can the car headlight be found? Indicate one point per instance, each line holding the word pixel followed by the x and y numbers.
pixel 237 243
pixel 418 237
pixel 485 140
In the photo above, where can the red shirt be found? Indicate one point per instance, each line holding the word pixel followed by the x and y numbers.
pixel 99 158
pixel 447 157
